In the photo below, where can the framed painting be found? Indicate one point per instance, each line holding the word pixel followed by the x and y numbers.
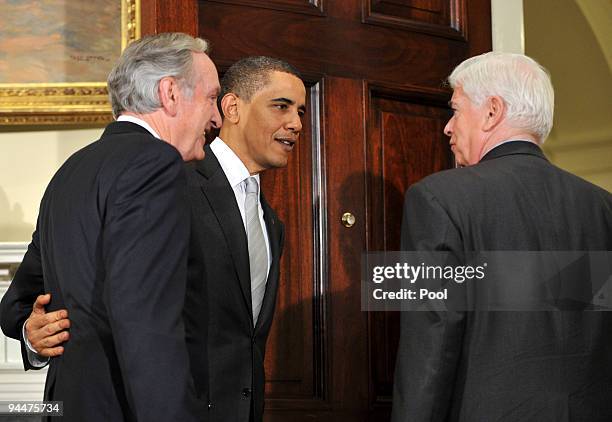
pixel 55 56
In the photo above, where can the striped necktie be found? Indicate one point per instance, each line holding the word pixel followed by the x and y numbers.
pixel 258 252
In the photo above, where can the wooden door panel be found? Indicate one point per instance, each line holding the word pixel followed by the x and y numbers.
pixel 405 143
pixel 157 16
pixel 437 17
pixel 294 362
pixel 309 7
pixel 344 129
pixel 329 45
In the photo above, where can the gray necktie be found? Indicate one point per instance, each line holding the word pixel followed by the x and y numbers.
pixel 258 252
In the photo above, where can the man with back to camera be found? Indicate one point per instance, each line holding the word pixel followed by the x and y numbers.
pixel 514 366
pixel 111 243
pixel 233 265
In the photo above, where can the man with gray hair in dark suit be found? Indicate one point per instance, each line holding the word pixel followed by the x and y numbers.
pixel 470 365
pixel 235 248
pixel 110 247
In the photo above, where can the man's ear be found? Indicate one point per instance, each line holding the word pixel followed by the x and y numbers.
pixel 169 94
pixel 229 107
pixel 496 110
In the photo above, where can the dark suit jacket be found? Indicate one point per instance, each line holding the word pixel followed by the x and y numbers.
pixel 110 246
pixel 227 352
pixel 505 366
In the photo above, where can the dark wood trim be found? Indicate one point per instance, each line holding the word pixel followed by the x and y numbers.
pixel 456 28
pixel 159 16
pixel 307 7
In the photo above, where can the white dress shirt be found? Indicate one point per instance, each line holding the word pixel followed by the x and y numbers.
pixel 139 122
pixel 236 173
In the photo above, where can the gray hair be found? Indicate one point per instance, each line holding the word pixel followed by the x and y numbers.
pixel 134 81
pixel 522 83
pixel 247 76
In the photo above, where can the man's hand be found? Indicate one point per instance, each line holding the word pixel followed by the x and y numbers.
pixel 46 331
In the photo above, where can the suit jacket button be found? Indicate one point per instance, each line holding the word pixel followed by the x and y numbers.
pixel 210 405
pixel 246 393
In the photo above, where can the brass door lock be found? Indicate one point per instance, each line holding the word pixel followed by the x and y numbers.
pixel 348 220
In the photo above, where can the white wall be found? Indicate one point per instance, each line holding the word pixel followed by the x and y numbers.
pixel 28 160
pixel 572 40
pixel 567 41
pixel 508 32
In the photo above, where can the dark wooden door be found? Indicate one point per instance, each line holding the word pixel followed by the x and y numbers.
pixel 374 71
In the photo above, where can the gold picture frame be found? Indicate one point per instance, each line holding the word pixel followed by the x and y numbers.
pixel 81 103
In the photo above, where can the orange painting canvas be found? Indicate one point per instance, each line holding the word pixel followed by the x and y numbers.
pixel 58 41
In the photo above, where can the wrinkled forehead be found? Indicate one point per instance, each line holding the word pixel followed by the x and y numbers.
pixel 206 72
pixel 459 96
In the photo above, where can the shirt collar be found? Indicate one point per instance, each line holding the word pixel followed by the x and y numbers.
pixel 234 169
pixel 139 122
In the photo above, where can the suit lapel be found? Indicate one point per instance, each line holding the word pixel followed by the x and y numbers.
pixel 222 200
pixel 220 196
pixel 273 228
